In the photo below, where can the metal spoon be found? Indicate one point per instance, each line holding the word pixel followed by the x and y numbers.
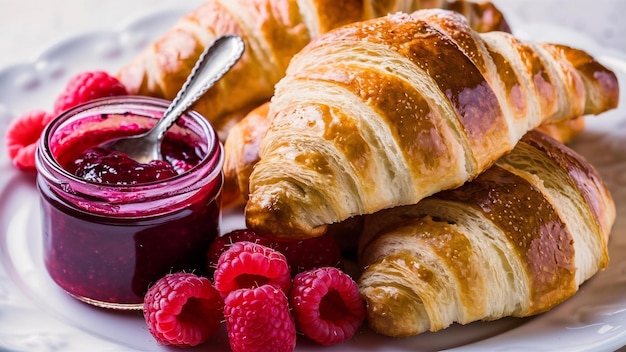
pixel 212 65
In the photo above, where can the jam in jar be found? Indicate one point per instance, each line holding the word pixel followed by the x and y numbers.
pixel 111 226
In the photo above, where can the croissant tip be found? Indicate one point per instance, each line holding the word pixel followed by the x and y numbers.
pixel 383 305
pixel 274 222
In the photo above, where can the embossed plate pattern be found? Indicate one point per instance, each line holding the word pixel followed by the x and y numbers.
pixel 35 315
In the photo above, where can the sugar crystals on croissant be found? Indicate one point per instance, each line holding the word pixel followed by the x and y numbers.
pixel 386 112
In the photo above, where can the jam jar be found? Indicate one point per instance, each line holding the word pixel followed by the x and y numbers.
pixel 105 243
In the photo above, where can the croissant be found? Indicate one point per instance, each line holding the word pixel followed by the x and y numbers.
pixel 518 240
pixel 241 153
pixel 386 112
pixel 244 138
pixel 273 30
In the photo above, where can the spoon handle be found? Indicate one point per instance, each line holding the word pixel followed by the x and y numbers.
pixel 212 65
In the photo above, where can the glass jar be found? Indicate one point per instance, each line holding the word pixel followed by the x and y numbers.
pixel 105 244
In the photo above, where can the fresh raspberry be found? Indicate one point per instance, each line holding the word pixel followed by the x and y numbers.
pixel 326 304
pixel 258 319
pixel 87 86
pixel 183 309
pixel 301 255
pixel 311 253
pixel 246 264
pixel 221 244
pixel 22 137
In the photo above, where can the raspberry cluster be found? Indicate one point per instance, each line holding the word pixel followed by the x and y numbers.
pixel 264 305
pixel 23 133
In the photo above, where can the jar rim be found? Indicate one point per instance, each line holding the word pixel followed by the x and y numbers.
pixel 213 144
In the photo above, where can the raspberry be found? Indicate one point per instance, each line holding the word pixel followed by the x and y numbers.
pixel 326 304
pixel 87 86
pixel 247 264
pixel 221 244
pixel 183 309
pixel 258 319
pixel 22 137
pixel 301 255
pixel 311 253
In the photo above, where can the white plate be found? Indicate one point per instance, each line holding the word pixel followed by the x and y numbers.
pixel 35 315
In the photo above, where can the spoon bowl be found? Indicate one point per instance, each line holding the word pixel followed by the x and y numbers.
pixel 212 65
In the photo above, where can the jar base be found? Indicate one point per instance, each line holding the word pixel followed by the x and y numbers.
pixel 109 305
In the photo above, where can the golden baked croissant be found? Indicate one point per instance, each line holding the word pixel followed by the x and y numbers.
pixel 518 240
pixel 241 149
pixel 273 30
pixel 385 112
pixel 241 153
pixel 483 16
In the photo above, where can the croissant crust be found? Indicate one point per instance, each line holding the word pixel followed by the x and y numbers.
pixel 386 112
pixel 273 31
pixel 518 240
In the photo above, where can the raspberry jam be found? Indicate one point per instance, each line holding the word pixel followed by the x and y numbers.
pixel 110 167
pixel 113 227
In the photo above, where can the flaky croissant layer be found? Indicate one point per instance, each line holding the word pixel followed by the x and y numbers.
pixel 518 240
pixel 386 112
pixel 273 30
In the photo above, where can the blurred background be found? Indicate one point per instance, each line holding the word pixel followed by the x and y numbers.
pixel 600 19
pixel 27 27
